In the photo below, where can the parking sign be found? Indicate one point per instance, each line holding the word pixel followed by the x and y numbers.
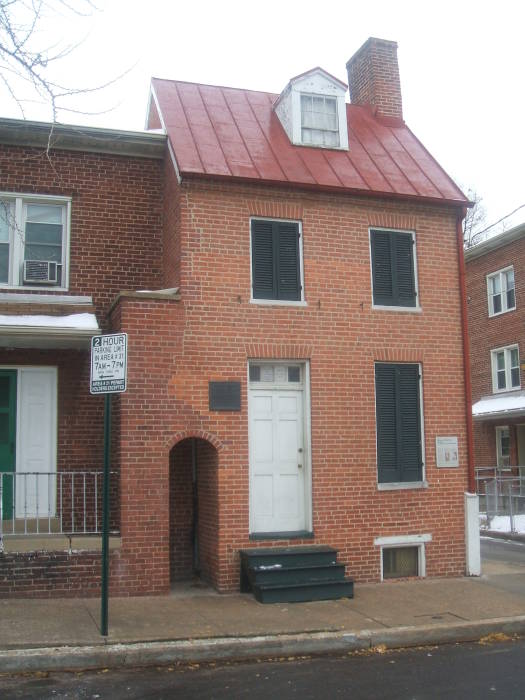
pixel 109 360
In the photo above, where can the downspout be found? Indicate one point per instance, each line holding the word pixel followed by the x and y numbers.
pixel 466 355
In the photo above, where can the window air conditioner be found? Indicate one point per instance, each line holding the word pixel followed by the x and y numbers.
pixel 40 272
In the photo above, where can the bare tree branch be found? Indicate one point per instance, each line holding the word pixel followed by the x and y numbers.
pixel 27 56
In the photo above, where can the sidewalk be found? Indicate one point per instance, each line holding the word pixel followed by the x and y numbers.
pixel 196 624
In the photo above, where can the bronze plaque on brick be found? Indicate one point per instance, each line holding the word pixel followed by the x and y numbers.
pixel 225 396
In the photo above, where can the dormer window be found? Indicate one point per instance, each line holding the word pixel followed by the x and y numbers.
pixel 312 110
pixel 319 124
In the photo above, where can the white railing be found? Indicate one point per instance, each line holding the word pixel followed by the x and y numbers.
pixel 53 503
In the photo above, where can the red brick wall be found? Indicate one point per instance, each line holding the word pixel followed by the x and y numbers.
pixel 177 347
pixel 181 512
pixel 116 215
pixel 488 333
pixel 53 574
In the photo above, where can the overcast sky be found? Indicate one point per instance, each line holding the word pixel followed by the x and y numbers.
pixel 461 63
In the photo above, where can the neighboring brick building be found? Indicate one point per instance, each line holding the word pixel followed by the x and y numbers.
pixel 496 291
pixel 289 381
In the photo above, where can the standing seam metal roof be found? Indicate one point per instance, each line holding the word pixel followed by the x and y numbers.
pixel 229 132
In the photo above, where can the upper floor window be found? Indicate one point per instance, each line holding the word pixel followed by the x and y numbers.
pixel 276 260
pixel 33 241
pixel 393 268
pixel 319 126
pixel 501 292
pixel 506 368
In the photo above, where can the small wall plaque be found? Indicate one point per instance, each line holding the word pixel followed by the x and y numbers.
pixel 224 396
pixel 447 452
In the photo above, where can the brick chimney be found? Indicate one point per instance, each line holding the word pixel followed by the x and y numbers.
pixel 373 77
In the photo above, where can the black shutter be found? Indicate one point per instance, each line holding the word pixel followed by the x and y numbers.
pixel 404 282
pixel 288 272
pixel 409 437
pixel 393 268
pixel 263 268
pixel 382 267
pixel 398 423
pixel 275 260
pixel 386 424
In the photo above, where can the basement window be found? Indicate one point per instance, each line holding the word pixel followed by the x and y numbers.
pixel 402 556
pixel 400 562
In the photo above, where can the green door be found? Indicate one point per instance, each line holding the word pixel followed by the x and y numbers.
pixel 7 439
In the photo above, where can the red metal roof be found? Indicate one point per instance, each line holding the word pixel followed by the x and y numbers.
pixel 227 132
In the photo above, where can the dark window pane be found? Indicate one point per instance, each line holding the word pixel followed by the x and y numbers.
pixel 4 263
pixel 399 562
pixel 4 428
pixel 501 379
pixel 511 299
pixel 515 376
pixel 5 386
pixel 294 374
pixel 255 373
pixel 496 301
pixel 44 233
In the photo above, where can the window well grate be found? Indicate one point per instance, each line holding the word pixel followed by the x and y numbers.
pixel 400 562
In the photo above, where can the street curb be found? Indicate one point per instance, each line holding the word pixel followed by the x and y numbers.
pixel 495 534
pixel 117 655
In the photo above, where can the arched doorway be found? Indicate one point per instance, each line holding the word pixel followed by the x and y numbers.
pixel 193 510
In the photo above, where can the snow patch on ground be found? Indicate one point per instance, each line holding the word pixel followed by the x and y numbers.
pixel 501 523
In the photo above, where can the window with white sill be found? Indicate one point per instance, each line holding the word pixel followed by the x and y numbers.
pixel 33 241
pixel 506 369
pixel 319 123
pixel 501 292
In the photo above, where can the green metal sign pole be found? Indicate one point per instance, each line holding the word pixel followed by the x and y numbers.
pixel 105 518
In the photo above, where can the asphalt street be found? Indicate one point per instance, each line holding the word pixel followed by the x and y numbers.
pixel 482 670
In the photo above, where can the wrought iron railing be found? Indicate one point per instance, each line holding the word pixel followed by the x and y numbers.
pixel 55 503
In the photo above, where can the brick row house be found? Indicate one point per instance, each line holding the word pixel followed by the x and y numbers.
pixel 295 374
pixel 495 270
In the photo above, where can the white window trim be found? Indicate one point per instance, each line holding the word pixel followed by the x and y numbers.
pixel 341 120
pixel 503 294
pixel 303 386
pixel 19 200
pixel 403 485
pixel 396 541
pixel 499 455
pixel 278 302
pixel 382 307
pixel 508 387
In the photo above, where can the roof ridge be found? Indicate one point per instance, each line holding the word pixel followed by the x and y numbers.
pixel 220 87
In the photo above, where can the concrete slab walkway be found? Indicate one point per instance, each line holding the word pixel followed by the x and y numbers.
pixel 197 624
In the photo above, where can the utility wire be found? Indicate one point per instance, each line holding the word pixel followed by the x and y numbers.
pixel 478 233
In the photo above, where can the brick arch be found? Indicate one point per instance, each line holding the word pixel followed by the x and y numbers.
pixel 202 434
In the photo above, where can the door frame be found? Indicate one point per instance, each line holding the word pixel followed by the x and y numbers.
pixel 307 439
pixel 54 421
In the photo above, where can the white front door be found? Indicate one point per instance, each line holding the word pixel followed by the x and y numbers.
pixel 278 468
pixel 36 443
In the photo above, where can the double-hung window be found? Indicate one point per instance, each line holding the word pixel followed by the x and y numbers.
pixel 319 124
pixel 393 268
pixel 33 241
pixel 503 446
pixel 500 291
pixel 276 260
pixel 398 423
pixel 506 368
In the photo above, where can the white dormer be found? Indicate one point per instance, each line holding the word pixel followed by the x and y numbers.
pixel 312 110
